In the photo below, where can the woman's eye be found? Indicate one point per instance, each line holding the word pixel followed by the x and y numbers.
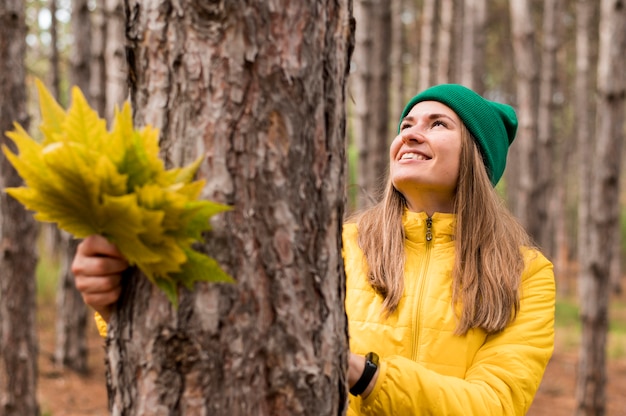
pixel 404 126
pixel 439 123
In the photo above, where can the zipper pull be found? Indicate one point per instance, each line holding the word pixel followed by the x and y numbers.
pixel 429 229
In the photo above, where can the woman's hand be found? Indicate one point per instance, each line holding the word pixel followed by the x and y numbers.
pixel 97 269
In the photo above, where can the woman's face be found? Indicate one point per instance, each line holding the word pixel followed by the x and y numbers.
pixel 424 157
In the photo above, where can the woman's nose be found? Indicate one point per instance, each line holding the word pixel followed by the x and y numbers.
pixel 411 134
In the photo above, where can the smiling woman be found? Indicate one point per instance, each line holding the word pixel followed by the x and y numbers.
pixel 450 308
pixel 424 157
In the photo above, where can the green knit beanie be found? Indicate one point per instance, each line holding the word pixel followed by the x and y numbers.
pixel 492 125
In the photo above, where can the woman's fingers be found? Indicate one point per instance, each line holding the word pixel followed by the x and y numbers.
pixel 95 256
pixel 97 267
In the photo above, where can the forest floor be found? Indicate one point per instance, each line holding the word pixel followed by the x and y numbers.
pixel 63 393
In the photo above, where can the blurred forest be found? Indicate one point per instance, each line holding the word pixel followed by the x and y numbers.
pixel 560 63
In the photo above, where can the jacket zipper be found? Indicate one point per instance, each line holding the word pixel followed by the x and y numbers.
pixel 422 281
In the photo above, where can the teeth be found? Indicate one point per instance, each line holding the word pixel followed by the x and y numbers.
pixel 413 156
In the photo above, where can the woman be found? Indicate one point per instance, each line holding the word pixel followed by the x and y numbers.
pixel 442 284
pixel 451 311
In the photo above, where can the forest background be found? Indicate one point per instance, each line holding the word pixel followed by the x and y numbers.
pixel 564 169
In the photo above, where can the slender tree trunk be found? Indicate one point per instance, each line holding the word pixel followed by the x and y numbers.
pixel 563 151
pixel 371 84
pixel 584 129
pixel 444 54
pixel 115 56
pixel 428 42
pixel 529 211
pixel 55 73
pixel 97 68
pixel 545 168
pixel 18 232
pixel 259 90
pixel 473 45
pixel 412 29
pixel 399 52
pixel 71 341
pixel 604 213
pixel 457 49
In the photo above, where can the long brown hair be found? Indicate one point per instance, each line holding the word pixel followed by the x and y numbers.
pixel 488 262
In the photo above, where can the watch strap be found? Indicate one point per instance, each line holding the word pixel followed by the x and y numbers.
pixel 371 365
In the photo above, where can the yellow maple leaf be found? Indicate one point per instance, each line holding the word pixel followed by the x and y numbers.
pixel 89 180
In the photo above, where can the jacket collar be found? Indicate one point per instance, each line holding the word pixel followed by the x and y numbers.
pixel 416 226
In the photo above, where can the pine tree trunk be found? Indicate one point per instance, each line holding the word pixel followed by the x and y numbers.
pixel 397 85
pixel 18 232
pixel 97 69
pixel 259 90
pixel 529 211
pixel 444 55
pixel 583 109
pixel 473 44
pixel 428 44
pixel 604 213
pixel 55 75
pixel 546 116
pixel 115 56
pixel 370 86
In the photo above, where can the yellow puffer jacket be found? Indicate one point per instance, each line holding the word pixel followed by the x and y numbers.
pixel 424 368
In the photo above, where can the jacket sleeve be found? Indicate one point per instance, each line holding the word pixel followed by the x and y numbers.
pixel 503 377
pixel 101 324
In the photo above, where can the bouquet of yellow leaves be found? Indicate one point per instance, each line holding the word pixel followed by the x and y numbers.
pixel 89 181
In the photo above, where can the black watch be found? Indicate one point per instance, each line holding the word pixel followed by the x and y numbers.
pixel 371 365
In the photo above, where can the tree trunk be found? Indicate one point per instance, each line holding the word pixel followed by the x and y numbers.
pixel 71 320
pixel 457 46
pixel 444 55
pixel 545 166
pixel 583 108
pixel 604 213
pixel 97 69
pixel 428 44
pixel 473 49
pixel 529 211
pixel 371 83
pixel 18 231
pixel 55 74
pixel 115 56
pixel 258 89
pixel 399 52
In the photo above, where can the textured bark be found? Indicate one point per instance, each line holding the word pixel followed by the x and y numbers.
pixel 370 87
pixel 259 90
pixel 529 211
pixel 18 338
pixel 604 213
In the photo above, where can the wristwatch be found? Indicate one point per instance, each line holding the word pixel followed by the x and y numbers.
pixel 371 365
